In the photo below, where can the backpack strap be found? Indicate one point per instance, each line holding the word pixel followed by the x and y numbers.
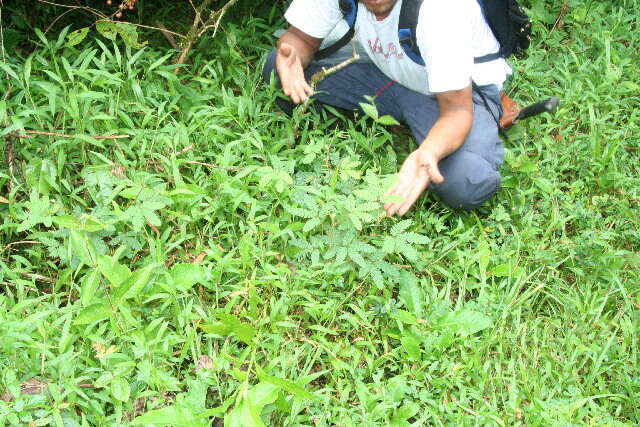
pixel 487 58
pixel 483 97
pixel 409 13
pixel 408 22
pixel 349 9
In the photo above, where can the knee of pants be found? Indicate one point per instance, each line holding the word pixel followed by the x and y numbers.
pixel 469 181
pixel 269 66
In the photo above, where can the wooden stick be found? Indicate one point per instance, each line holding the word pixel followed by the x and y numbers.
pixel 39 278
pixel 211 165
pixel 23 242
pixel 199 27
pixel 167 35
pixel 185 150
pixel 11 162
pixel 316 78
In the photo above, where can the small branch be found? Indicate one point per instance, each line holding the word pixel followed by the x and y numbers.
pixel 64 135
pixel 23 242
pixel 185 150
pixel 316 78
pixel 87 8
pixel 326 72
pixel 56 20
pixel 85 385
pixel 167 35
pixel 149 27
pixel 39 278
pixel 564 10
pixel 211 165
pixel 198 28
pixel 11 162
pixel 4 59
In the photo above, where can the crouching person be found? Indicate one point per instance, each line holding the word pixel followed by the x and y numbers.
pixel 445 87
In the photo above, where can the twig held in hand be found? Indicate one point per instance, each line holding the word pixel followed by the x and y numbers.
pixel 316 78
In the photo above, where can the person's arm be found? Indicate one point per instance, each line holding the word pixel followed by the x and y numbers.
pixel 295 52
pixel 446 136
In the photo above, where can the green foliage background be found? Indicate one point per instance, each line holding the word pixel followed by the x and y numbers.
pixel 229 263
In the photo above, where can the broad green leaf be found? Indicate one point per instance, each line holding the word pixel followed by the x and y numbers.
pixel 174 416
pixel 230 324
pixel 86 223
pixel 114 272
pixel 129 34
pixel 196 395
pixel 83 247
pixel 411 294
pixel 68 221
pixel 404 317
pixel 370 110
pixel 217 328
pixel 120 389
pixel 465 322
pixel 93 313
pixel 411 345
pixel 132 287
pixel 77 36
pixel 187 275
pixel 244 415
pixel 288 386
pixel 263 394
pixel 507 270
pixel 545 185
pixel 387 121
pixel 89 286
pixel 107 29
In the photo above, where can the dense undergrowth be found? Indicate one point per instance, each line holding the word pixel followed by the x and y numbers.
pixel 228 262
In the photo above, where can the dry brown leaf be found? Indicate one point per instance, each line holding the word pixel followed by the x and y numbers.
pixel 199 258
pixel 242 292
pixel 138 409
pixel 154 228
pixel 33 386
pixel 3 200
pixel 204 362
pixel 102 351
pixel 6 396
pixel 118 171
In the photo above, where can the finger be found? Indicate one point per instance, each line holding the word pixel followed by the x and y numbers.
pixel 295 98
pixel 434 174
pixel 304 85
pixel 396 206
pixel 285 49
pixel 411 198
pixel 308 89
pixel 396 191
pixel 408 203
pixel 301 94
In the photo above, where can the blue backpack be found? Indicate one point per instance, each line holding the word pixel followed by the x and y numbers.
pixel 509 24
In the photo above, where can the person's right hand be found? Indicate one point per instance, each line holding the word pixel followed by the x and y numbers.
pixel 291 74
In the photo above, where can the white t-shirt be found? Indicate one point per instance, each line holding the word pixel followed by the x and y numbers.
pixel 450 33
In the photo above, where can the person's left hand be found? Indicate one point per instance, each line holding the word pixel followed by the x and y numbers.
pixel 417 171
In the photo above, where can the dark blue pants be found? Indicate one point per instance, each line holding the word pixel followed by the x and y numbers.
pixel 470 174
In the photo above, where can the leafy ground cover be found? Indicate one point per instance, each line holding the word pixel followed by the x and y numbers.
pixel 226 262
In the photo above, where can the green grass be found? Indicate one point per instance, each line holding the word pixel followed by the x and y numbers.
pixel 306 308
